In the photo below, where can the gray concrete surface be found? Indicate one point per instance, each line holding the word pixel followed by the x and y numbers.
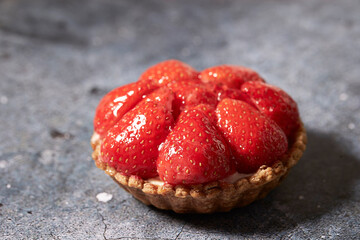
pixel 58 58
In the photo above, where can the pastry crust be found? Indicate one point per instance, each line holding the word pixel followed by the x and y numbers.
pixel 218 196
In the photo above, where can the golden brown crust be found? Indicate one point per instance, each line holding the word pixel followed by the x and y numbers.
pixel 216 196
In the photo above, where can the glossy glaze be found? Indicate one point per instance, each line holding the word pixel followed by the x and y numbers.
pixel 141 120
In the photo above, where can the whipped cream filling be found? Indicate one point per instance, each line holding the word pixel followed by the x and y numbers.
pixel 230 179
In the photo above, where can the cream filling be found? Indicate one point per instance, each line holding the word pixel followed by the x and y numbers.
pixel 230 179
pixel 95 137
pixel 156 181
pixel 237 176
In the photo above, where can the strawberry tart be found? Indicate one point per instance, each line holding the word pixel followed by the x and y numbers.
pixel 194 141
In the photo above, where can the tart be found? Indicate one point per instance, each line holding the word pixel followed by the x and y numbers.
pixel 202 142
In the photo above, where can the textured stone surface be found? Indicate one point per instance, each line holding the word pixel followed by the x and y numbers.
pixel 58 58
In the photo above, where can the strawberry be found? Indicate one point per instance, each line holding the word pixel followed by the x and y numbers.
pixel 194 152
pixel 254 138
pixel 224 92
pixel 116 103
pixel 208 110
pixel 168 71
pixel 188 94
pixel 276 104
pixel 131 146
pixel 228 75
pixel 232 93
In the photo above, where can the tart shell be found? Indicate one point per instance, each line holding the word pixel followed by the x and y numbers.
pixel 218 196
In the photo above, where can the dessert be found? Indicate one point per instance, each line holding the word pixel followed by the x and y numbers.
pixel 200 142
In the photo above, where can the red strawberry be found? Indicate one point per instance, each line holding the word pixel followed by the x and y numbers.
pixel 276 104
pixel 254 138
pixel 168 71
pixel 116 103
pixel 131 146
pixel 189 94
pixel 208 110
pixel 194 152
pixel 232 93
pixel 228 75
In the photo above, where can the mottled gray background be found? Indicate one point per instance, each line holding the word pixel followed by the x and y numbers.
pixel 58 58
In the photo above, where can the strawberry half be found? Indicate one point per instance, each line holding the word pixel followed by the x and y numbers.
pixel 194 152
pixel 254 138
pixel 189 94
pixel 276 104
pixel 131 146
pixel 118 102
pixel 228 75
pixel 168 71
pixel 224 92
pixel 208 110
